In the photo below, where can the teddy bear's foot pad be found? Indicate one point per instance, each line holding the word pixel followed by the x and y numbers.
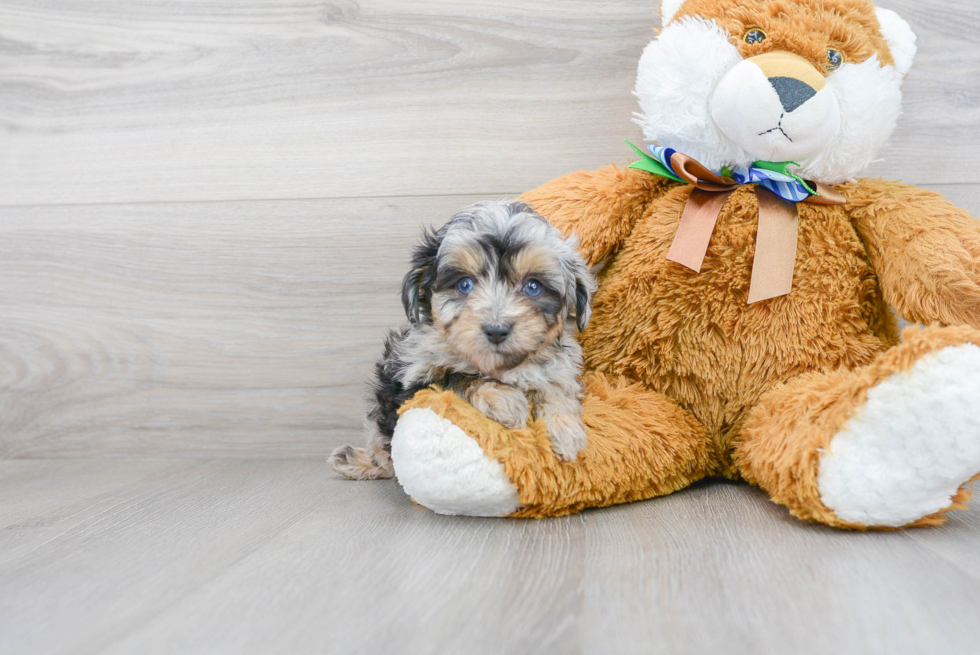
pixel 445 470
pixel 913 444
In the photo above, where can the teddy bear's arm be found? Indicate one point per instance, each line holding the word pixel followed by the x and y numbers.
pixel 600 207
pixel 925 250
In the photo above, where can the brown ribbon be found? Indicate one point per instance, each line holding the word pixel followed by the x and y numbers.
pixel 776 236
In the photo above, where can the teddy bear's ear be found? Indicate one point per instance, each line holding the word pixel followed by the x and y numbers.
pixel 668 10
pixel 900 37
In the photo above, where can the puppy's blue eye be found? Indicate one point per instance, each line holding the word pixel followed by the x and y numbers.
pixel 465 285
pixel 533 288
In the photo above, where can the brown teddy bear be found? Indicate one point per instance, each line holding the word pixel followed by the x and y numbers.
pixel 742 326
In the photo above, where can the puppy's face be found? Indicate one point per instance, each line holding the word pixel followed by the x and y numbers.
pixel 501 285
pixel 498 300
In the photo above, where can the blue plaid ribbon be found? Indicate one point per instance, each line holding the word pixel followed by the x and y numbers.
pixel 782 183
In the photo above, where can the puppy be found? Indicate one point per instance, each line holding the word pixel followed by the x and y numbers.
pixel 493 299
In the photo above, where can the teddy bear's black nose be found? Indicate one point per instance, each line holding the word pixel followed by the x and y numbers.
pixel 792 92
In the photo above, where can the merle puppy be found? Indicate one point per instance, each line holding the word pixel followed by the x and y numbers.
pixel 493 298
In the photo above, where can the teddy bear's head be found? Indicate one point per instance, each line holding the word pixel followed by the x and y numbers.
pixel 817 82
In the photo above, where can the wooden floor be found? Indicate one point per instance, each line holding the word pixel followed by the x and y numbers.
pixel 205 212
pixel 279 556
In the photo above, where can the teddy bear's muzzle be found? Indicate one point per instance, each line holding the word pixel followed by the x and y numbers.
pixel 777 107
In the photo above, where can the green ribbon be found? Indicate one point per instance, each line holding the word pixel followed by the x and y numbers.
pixel 651 165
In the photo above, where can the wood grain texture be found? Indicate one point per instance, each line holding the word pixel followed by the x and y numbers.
pixel 227 328
pixel 180 100
pixel 240 556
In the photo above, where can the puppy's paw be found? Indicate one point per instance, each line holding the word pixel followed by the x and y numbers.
pixel 502 403
pixel 361 463
pixel 567 434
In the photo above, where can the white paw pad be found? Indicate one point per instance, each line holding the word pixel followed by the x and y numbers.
pixel 443 469
pixel 912 445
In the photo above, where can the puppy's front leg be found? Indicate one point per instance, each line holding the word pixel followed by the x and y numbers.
pixel 562 414
pixel 370 463
pixel 499 402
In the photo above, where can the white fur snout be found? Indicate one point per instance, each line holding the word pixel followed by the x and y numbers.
pixel 794 126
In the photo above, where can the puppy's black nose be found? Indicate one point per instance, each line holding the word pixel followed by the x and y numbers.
pixel 496 333
pixel 792 92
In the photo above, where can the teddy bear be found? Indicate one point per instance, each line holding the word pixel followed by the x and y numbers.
pixel 744 326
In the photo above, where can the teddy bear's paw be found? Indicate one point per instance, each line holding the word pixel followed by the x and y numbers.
pixel 445 470
pixel 904 455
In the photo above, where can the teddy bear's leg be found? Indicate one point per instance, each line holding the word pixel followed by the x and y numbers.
pixel 888 445
pixel 453 460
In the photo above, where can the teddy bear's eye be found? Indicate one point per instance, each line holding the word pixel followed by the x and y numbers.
pixel 834 59
pixel 755 36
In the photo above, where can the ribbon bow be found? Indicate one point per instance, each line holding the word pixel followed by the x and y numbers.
pixel 778 192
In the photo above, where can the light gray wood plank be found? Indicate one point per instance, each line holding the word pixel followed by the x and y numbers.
pixel 956 541
pixel 728 571
pixel 78 581
pixel 178 100
pixel 282 556
pixel 231 329
pixel 31 489
pixel 242 329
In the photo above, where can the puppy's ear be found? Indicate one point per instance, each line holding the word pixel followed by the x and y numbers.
pixel 417 284
pixel 519 207
pixel 579 285
pixel 410 294
pixel 583 300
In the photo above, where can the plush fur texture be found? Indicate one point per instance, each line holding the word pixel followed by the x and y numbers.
pixel 901 39
pixel 669 9
pixel 648 447
pixel 890 468
pixel 685 379
pixel 796 424
pixel 689 381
